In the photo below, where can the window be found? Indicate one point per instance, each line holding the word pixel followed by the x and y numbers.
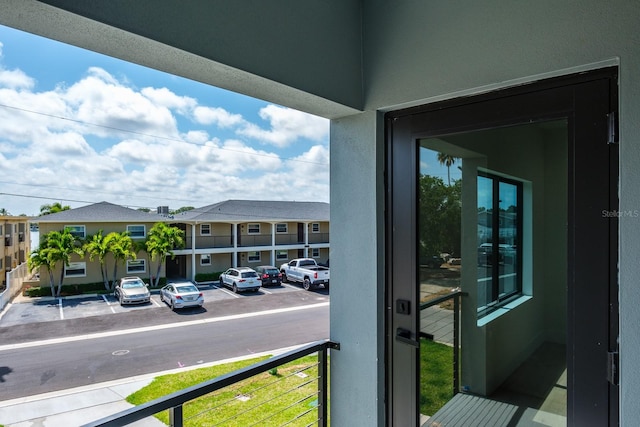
pixel 136 266
pixel 205 229
pixel 253 228
pixel 281 227
pixel 77 230
pixel 282 255
pixel 499 240
pixel 136 231
pixel 315 253
pixel 315 227
pixel 205 259
pixel 1 264
pixel 254 256
pixel 75 269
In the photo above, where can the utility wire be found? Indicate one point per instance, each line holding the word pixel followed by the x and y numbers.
pixel 166 138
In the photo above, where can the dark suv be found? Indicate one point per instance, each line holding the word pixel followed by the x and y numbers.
pixel 269 274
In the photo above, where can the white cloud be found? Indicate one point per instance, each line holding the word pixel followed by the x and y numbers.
pixel 15 79
pixel 48 142
pixel 286 126
pixel 216 115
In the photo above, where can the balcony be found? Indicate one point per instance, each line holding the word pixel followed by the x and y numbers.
pixel 206 242
pixel 303 396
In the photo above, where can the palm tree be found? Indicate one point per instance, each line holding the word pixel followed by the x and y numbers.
pixel 53 208
pixel 121 247
pixel 97 246
pixel 61 245
pixel 4 212
pixel 41 257
pixel 162 240
pixel 447 160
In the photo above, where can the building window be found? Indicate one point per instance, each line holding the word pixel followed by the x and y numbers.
pixel 137 231
pixel 205 259
pixel 282 255
pixel 281 227
pixel 1 264
pixel 75 269
pixel 76 230
pixel 315 253
pixel 254 256
pixel 136 266
pixel 315 227
pixel 500 214
pixel 205 229
pixel 253 228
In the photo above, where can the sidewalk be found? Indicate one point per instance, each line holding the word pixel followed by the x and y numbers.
pixel 77 406
pixel 74 407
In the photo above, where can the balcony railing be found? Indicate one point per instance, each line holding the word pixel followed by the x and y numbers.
pixel 440 322
pixel 311 401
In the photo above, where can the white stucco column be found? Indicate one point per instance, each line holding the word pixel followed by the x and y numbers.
pixel 273 243
pixel 357 296
pixel 193 252
pixel 235 245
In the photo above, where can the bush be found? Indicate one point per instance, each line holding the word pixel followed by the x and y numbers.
pixel 85 288
pixel 208 277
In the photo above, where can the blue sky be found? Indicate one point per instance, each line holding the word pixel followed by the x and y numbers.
pixel 79 127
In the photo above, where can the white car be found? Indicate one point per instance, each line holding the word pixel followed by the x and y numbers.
pixel 181 294
pixel 131 290
pixel 241 279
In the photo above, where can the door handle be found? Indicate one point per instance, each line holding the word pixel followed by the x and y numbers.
pixel 405 336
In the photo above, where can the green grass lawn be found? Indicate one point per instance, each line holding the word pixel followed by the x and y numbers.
pixel 285 395
pixel 290 393
pixel 436 376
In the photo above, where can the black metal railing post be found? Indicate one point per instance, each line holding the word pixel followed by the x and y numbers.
pixel 456 344
pixel 322 387
pixel 176 418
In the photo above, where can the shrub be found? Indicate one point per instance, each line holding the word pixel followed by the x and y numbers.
pixel 208 277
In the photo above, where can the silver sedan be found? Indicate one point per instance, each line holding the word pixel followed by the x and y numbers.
pixel 181 294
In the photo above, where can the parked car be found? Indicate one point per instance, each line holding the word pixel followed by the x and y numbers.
pixel 506 254
pixel 305 271
pixel 181 294
pixel 241 279
pixel 269 275
pixel 131 290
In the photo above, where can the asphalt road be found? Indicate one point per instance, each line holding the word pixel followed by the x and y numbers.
pixel 40 357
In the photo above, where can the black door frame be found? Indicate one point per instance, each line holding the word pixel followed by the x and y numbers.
pixel 589 102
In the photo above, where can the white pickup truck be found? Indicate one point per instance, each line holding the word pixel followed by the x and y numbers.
pixel 305 271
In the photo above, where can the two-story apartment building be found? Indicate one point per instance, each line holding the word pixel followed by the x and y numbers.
pixel 249 233
pixel 14 244
pixel 226 234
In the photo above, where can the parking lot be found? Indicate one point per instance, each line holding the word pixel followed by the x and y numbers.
pixel 27 310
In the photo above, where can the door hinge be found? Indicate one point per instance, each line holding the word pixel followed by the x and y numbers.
pixel 612 128
pixel 612 367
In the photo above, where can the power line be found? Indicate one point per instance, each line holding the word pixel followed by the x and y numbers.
pixel 166 138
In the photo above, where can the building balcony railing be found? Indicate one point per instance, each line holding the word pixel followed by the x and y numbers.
pixel 205 242
pixel 303 395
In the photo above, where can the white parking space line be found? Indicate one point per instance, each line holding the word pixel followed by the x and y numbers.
pixel 227 292
pixel 265 291
pixel 60 305
pixel 155 302
pixel 286 285
pixel 104 297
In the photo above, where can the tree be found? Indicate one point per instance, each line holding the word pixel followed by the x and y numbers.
pixel 98 247
pixel 161 242
pixel 448 161
pixel 41 257
pixel 182 209
pixel 4 212
pixel 147 210
pixel 440 208
pixel 58 247
pixel 121 247
pixel 53 208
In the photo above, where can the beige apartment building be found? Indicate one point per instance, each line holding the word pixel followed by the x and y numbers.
pixel 14 245
pixel 218 236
